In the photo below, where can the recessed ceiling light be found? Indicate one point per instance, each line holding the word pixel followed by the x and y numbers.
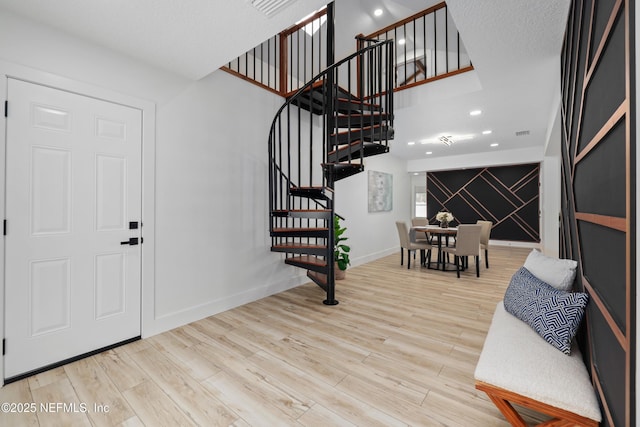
pixel 401 41
pixel 495 144
pixel 475 112
pixel 429 152
pixel 411 143
pixel 416 173
pixel 486 132
pixel 377 12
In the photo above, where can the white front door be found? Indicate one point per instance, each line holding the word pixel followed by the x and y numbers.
pixel 73 195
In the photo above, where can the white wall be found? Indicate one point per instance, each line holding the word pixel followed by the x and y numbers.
pixel 212 205
pixel 26 43
pixel 373 235
pixel 211 210
pixel 551 182
pixel 210 172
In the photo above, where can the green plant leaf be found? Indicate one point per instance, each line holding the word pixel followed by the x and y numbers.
pixel 340 251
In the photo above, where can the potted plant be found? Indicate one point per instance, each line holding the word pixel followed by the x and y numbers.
pixel 340 250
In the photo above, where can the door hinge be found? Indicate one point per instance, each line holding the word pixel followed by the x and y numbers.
pixel 4 346
pixel 4 227
pixel 6 108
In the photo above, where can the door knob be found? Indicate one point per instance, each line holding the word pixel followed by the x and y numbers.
pixel 132 241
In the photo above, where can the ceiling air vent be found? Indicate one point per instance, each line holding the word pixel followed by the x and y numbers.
pixel 270 7
pixel 522 133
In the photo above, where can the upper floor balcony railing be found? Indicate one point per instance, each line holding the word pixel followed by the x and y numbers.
pixel 428 47
pixel 285 62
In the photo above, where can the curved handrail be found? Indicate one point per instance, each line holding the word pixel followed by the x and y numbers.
pixel 323 73
pixel 296 188
pixel 275 133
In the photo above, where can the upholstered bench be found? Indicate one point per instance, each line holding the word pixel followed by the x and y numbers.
pixel 517 365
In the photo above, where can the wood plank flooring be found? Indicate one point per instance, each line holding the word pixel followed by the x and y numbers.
pixel 400 349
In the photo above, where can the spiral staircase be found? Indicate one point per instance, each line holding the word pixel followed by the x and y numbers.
pixel 319 136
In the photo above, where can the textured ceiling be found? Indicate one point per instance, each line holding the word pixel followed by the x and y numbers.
pixel 509 34
pixel 515 48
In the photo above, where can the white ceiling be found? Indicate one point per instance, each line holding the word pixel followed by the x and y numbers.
pixel 514 45
pixel 515 49
pixel 191 38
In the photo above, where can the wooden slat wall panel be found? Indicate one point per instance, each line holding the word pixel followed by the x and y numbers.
pixel 508 196
pixel 598 229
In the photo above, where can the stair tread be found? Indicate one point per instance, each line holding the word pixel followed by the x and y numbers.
pixel 355 118
pixel 346 152
pixel 299 245
pixel 302 210
pixel 375 132
pixel 363 113
pixel 295 229
pixel 343 164
pixel 364 129
pixel 308 259
pixel 311 192
pixel 312 188
pixel 319 278
pixel 355 102
pixel 345 147
pixel 318 84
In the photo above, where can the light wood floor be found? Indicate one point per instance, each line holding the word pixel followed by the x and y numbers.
pixel 400 349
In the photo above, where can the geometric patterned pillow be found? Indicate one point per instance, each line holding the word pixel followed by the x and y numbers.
pixel 554 314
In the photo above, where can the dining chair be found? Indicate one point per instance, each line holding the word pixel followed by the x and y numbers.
pixel 421 222
pixel 467 244
pixel 484 238
pixel 406 243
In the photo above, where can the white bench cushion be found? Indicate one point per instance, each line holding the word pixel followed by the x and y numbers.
pixel 517 359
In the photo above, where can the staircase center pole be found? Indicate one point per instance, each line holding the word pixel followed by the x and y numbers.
pixel 329 90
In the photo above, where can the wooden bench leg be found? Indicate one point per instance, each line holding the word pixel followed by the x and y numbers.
pixel 557 423
pixel 501 398
pixel 507 410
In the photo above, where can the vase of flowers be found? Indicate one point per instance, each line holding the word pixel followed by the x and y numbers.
pixel 445 218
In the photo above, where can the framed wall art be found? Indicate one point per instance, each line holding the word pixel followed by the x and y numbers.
pixel 380 191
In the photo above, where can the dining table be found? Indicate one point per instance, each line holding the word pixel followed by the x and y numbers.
pixel 440 233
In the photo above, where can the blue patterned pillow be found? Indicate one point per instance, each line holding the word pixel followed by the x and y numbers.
pixel 554 314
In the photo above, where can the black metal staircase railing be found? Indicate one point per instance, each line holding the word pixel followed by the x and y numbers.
pixel 320 135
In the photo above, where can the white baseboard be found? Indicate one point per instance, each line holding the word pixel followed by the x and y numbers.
pixel 374 256
pixel 179 318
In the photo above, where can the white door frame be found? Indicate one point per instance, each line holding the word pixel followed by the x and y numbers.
pixel 148 109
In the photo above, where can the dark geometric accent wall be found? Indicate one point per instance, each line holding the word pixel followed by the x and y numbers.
pixel 508 196
pixel 598 193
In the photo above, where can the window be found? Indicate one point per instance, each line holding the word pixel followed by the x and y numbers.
pixel 420 202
